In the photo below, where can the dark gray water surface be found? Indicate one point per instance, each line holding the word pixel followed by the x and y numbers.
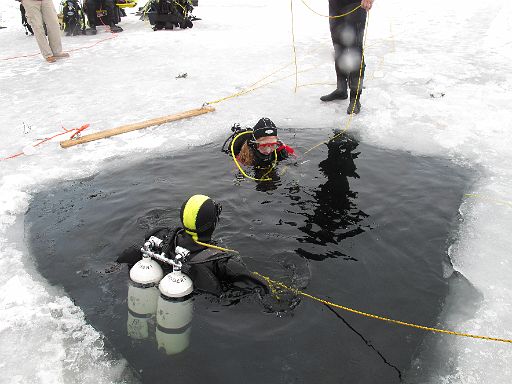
pixel 357 225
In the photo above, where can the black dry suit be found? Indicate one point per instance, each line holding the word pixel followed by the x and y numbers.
pixel 347 35
pixel 211 270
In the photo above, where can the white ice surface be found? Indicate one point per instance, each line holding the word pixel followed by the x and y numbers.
pixel 461 48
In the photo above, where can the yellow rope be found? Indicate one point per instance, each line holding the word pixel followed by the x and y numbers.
pixel 251 89
pixel 294 49
pixel 331 17
pixel 437 330
pixel 216 247
pixel 248 89
pixel 240 168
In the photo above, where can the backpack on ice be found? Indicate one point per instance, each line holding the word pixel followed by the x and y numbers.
pixel 167 14
pixel 73 18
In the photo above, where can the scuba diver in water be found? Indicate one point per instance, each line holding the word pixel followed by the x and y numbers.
pixel 212 268
pixel 259 146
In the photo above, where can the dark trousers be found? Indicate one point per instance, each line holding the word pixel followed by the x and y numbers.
pixel 92 5
pixel 347 35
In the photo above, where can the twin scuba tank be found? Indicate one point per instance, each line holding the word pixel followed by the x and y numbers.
pixel 169 298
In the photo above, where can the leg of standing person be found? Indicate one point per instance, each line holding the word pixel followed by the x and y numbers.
pixel 347 37
pixel 52 27
pixel 357 22
pixel 90 10
pixel 335 26
pixel 111 16
pixel 35 19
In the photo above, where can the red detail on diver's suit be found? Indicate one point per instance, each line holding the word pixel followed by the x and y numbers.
pixel 288 149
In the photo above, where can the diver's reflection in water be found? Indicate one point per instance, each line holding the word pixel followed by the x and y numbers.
pixel 266 173
pixel 173 318
pixel 335 215
pixel 267 178
pixel 142 303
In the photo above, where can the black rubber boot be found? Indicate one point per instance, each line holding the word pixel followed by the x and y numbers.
pixel 115 28
pixel 355 105
pixel 337 94
pixel 91 30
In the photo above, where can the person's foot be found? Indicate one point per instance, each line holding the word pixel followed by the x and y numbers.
pixel 337 94
pixel 115 28
pixel 51 59
pixel 61 55
pixel 354 106
pixel 91 30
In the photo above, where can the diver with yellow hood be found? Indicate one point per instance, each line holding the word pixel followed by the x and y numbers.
pixel 212 268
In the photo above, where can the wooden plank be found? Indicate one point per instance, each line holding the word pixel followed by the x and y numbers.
pixel 135 126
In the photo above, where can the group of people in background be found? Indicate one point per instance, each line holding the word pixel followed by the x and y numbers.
pixel 347 34
pixel 43 19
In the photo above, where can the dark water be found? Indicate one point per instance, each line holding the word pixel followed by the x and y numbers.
pixel 354 224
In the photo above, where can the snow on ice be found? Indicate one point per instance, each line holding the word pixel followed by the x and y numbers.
pixel 461 49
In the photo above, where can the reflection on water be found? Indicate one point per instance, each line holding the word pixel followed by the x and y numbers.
pixel 173 318
pixel 330 210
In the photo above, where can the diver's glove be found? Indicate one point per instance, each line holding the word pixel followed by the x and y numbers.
pixel 285 150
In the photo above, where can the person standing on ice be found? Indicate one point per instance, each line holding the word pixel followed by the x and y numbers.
pixel 347 34
pixel 90 9
pixel 40 13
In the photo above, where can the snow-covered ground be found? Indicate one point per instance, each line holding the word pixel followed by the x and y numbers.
pixel 415 49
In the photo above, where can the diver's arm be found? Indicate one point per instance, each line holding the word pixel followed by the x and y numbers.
pixel 235 271
pixel 284 151
pixel 132 254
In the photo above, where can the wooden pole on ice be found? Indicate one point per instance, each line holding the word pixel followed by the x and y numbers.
pixel 135 126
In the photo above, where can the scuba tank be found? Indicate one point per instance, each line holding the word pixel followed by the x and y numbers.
pixel 172 301
pixel 176 284
pixel 236 129
pixel 174 310
pixel 143 293
pixel 147 271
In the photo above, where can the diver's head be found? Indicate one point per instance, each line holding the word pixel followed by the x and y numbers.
pixel 265 139
pixel 199 216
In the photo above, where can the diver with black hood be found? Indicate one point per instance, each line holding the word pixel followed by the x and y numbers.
pixel 259 146
pixel 211 268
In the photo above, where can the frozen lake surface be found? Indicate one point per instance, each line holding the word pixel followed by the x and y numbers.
pixel 461 49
